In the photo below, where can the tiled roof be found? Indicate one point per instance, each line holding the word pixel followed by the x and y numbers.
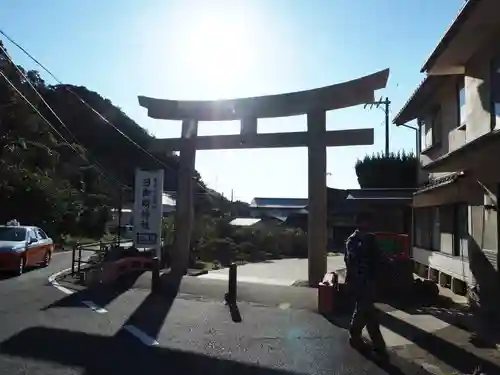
pixel 341 200
pixel 376 194
pixel 440 181
pixel 409 111
pixel 453 29
pixel 462 16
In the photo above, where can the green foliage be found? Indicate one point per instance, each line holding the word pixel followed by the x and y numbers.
pixel 44 182
pixel 168 232
pixel 213 239
pixel 220 249
pixel 398 170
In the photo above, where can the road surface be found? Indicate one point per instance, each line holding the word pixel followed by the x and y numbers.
pixel 45 331
pixel 276 272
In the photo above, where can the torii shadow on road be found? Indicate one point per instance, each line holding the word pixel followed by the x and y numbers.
pixel 101 355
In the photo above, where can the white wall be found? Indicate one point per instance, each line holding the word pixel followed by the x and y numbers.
pixel 453 266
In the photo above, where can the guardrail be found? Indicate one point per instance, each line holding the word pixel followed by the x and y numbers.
pixel 121 267
pixel 101 248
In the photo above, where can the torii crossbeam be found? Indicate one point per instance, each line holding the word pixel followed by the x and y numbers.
pixel 314 103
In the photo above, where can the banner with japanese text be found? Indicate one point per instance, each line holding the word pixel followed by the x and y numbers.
pixel 148 208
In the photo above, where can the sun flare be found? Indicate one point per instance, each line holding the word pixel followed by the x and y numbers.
pixel 218 51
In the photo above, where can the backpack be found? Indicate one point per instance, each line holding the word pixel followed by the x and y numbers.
pixel 361 251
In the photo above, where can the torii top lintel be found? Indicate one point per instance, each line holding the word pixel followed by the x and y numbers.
pixel 341 95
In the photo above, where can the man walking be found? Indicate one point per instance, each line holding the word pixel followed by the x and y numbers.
pixel 362 260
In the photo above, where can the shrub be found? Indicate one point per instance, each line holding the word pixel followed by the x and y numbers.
pixel 214 238
pixel 197 265
pixel 246 248
pixel 241 258
pixel 397 170
pixel 222 249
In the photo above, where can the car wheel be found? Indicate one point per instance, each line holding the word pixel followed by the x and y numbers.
pixel 21 266
pixel 46 259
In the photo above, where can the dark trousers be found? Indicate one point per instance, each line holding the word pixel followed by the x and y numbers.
pixel 366 315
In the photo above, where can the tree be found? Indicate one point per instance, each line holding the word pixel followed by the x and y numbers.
pixel 398 170
pixel 67 186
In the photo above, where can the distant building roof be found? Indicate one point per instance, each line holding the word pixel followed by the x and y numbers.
pixel 168 203
pixel 273 216
pixel 385 194
pixel 123 210
pixel 351 200
pixel 168 200
pixel 244 221
pixel 339 200
pixel 279 202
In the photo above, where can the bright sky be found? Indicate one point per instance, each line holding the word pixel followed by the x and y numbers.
pixel 208 49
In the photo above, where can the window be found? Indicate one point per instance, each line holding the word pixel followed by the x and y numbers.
pixel 436 229
pixel 12 234
pixel 427 228
pixel 437 126
pixel 422 228
pixel 461 230
pixel 41 234
pixel 431 129
pixel 461 101
pixel 495 91
pixel 32 235
pixel 421 130
pixel 452 220
pixel 418 230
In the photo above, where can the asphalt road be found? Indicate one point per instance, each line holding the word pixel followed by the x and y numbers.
pixel 45 331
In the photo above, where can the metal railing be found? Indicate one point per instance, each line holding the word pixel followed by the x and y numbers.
pixel 100 249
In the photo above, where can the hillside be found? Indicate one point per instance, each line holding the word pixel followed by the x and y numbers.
pixel 47 181
pixel 103 142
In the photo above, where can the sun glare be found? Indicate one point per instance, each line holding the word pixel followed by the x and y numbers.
pixel 217 50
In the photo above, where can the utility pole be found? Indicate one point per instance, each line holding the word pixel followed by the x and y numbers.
pixel 386 103
pixel 232 200
pixel 120 208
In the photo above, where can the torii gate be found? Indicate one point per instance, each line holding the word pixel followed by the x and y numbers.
pixel 314 103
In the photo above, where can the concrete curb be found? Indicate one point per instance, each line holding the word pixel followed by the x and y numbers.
pixel 54 281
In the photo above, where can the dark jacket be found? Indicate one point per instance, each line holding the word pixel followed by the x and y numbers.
pixel 362 257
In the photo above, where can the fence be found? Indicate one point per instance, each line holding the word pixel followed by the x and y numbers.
pixel 101 249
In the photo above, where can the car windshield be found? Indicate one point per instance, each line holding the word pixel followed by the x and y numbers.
pixel 12 234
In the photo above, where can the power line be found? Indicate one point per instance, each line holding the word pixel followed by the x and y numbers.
pixel 94 110
pixel 95 163
pixel 45 120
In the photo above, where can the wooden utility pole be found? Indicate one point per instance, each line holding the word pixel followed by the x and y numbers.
pixel 120 209
pixel 386 103
pixel 232 201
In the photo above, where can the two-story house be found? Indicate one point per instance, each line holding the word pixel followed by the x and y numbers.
pixel 457 109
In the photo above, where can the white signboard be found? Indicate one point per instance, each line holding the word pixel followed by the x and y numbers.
pixel 148 209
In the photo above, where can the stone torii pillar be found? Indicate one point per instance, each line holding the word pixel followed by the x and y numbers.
pixel 314 103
